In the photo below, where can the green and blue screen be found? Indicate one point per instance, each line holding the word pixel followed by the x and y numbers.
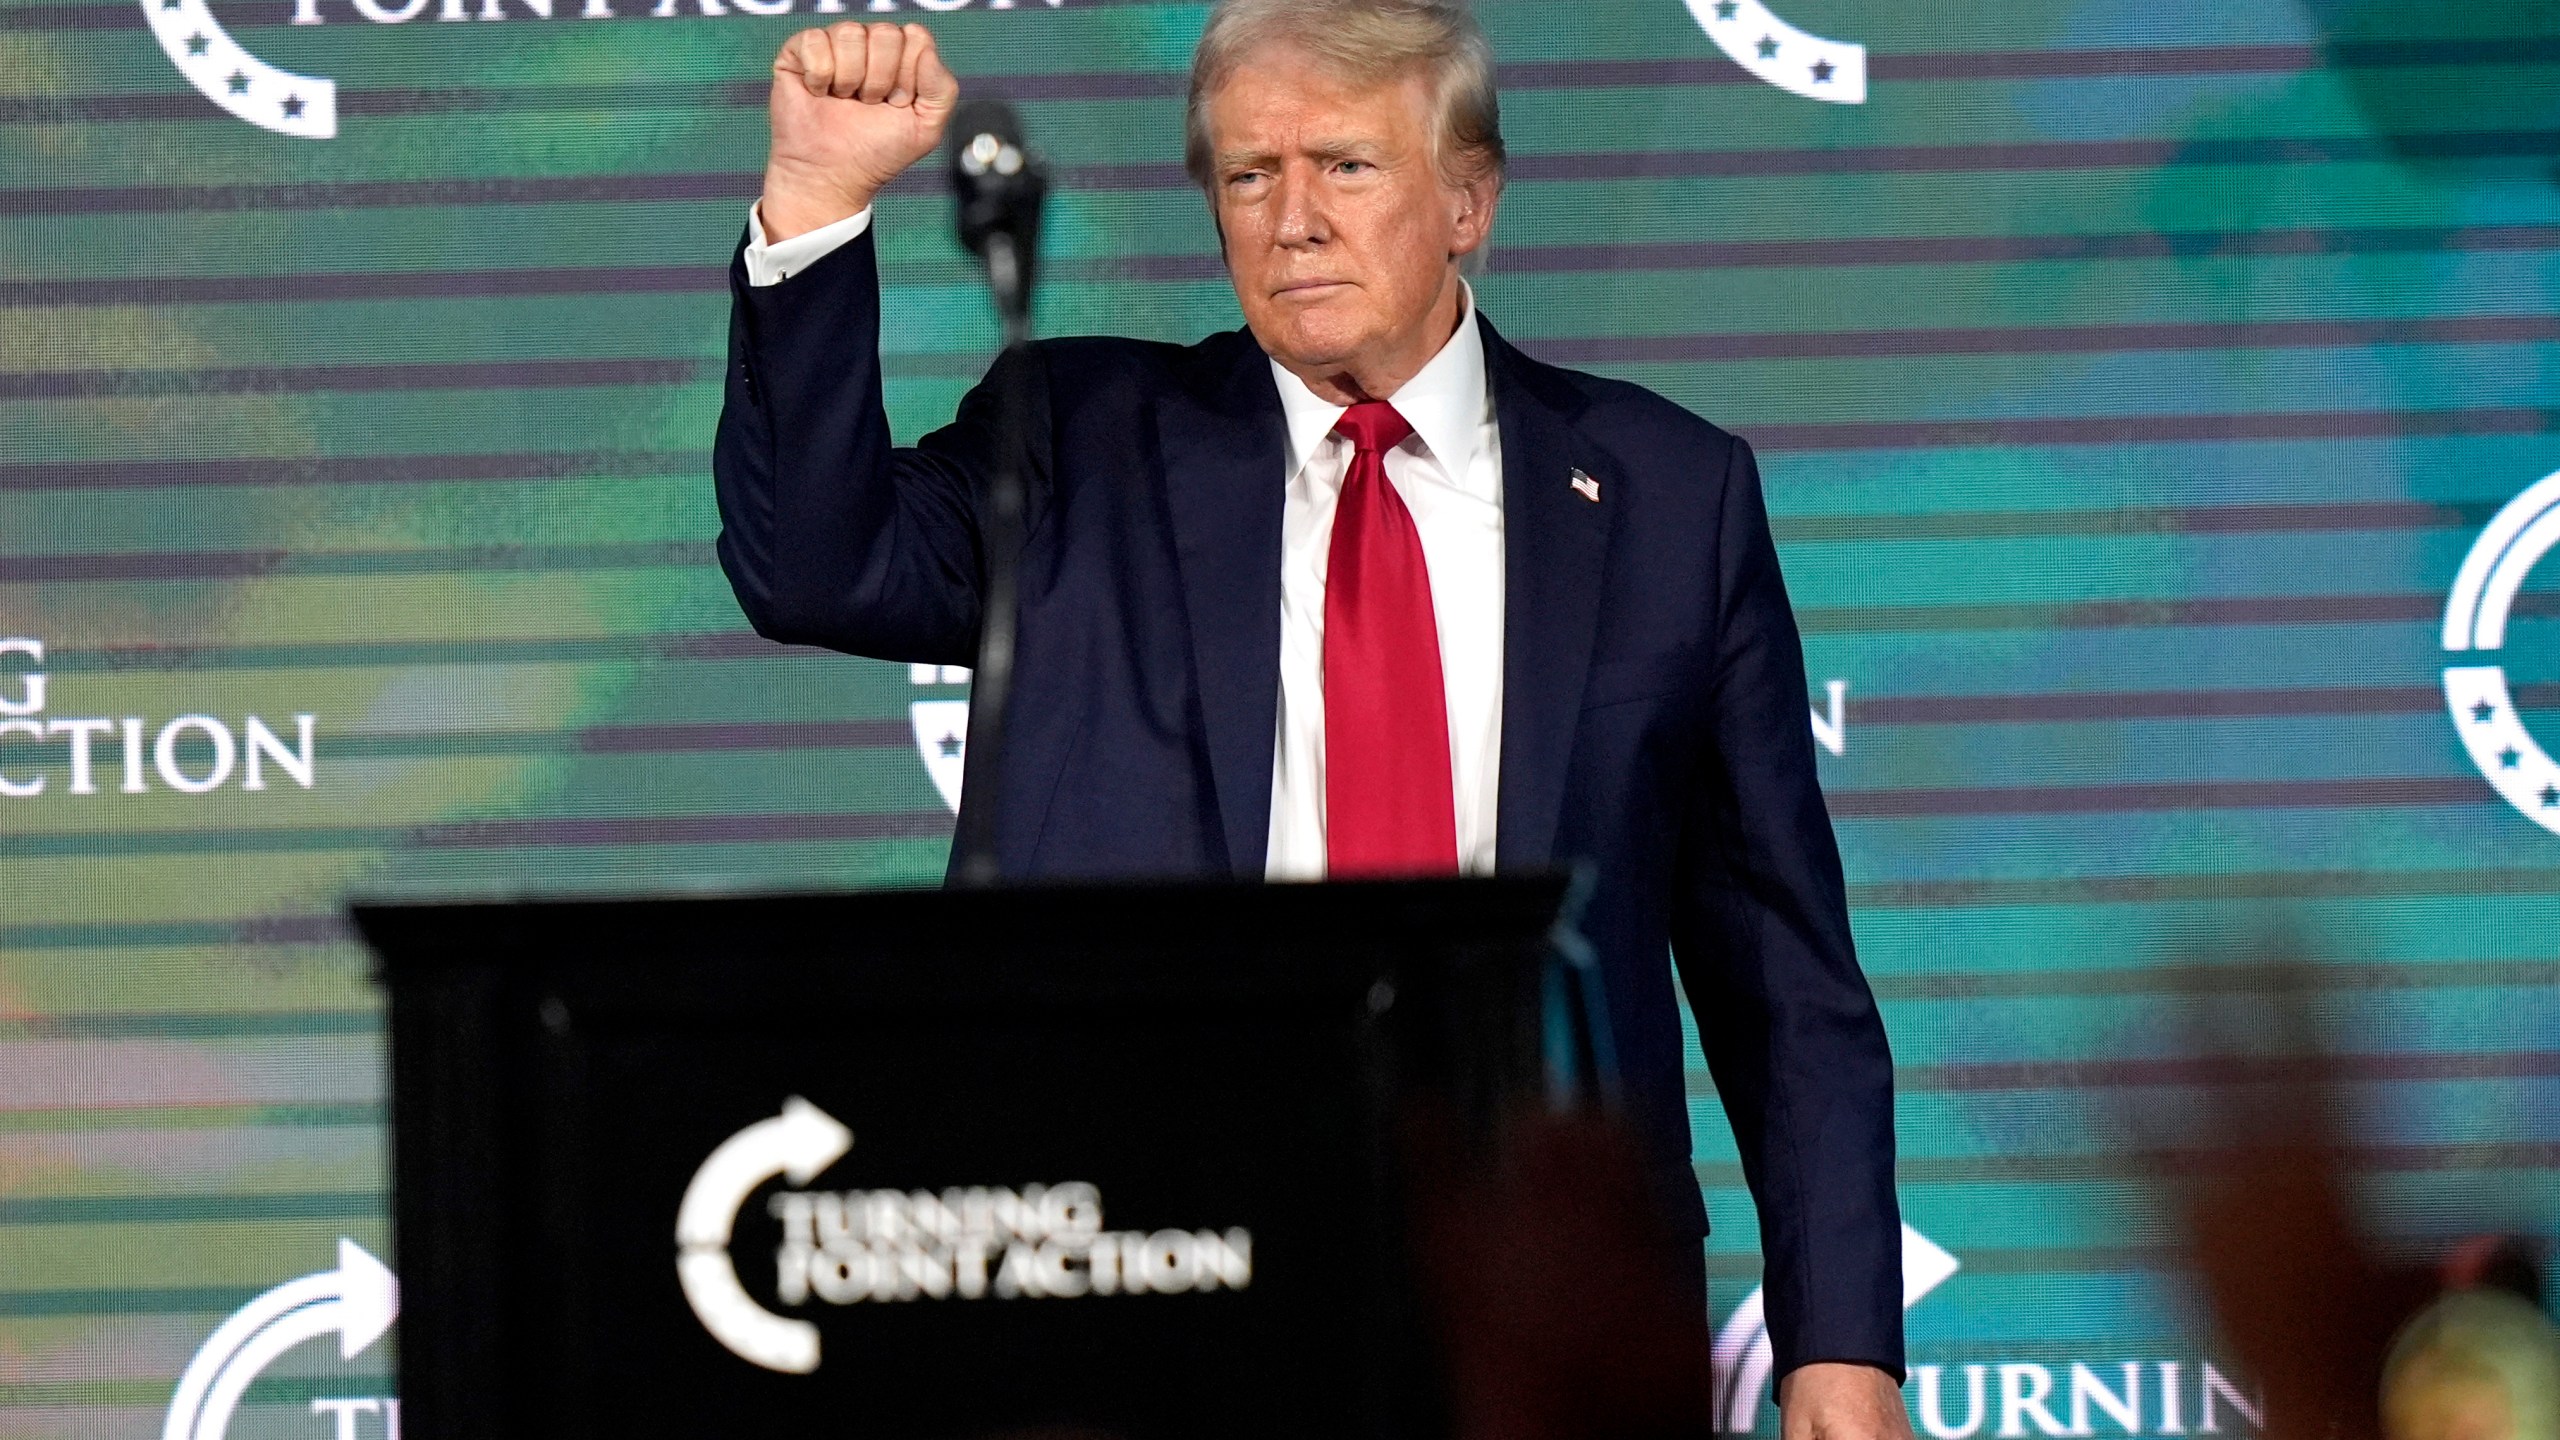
pixel 2152 400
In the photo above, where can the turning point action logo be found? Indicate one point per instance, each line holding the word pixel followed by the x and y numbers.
pixel 306 106
pixel 2475 620
pixel 894 1246
pixel 2041 1399
pixel 193 754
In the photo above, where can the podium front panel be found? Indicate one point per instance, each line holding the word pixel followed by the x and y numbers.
pixel 1116 1161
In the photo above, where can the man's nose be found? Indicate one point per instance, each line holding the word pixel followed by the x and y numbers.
pixel 1301 219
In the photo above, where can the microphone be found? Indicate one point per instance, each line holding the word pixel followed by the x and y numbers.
pixel 1001 187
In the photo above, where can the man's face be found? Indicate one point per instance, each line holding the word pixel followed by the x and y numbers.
pixel 1341 235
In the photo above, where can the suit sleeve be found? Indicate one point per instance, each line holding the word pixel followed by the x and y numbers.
pixel 1760 929
pixel 829 534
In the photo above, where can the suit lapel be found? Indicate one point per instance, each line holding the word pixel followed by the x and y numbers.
pixel 1554 545
pixel 1224 447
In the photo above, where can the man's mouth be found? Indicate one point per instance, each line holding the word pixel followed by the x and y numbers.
pixel 1303 289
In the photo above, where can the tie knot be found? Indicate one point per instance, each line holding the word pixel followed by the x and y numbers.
pixel 1373 426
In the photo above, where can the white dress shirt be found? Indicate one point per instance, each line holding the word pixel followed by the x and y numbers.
pixel 1449 475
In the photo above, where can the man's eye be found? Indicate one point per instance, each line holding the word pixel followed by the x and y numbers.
pixel 1353 167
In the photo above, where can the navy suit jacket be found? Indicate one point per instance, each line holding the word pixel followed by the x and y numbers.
pixel 1654 716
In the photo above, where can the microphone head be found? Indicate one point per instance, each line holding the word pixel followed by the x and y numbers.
pixel 1000 186
pixel 986 142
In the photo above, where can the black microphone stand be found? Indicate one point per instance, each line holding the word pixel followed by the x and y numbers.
pixel 1001 190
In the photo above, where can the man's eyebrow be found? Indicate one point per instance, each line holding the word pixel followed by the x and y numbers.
pixel 1324 151
pixel 1345 150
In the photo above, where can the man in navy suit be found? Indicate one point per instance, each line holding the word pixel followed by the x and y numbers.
pixel 1357 589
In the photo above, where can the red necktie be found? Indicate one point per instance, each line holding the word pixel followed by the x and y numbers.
pixel 1387 793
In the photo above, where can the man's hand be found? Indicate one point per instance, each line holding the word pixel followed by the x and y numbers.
pixel 1832 1401
pixel 853 105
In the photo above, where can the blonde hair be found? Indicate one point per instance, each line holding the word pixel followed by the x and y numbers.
pixel 1369 41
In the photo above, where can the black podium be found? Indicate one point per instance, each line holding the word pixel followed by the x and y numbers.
pixel 1121 1161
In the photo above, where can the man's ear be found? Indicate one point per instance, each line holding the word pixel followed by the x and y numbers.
pixel 1475 204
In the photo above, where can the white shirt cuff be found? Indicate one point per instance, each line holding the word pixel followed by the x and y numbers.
pixel 771 264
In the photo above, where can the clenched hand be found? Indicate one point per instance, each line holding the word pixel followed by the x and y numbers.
pixel 853 106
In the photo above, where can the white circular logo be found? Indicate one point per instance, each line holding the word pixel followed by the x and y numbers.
pixel 2475 621
pixel 1796 61
pixel 303 106
pixel 799 1142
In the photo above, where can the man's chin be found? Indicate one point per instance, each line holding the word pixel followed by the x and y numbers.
pixel 1304 349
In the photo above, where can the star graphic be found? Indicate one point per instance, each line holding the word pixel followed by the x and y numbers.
pixel 1821 72
pixel 2551 797
pixel 196 44
pixel 293 107
pixel 171 4
pixel 950 746
pixel 1725 9
pixel 2508 757
pixel 1768 48
pixel 2483 713
pixel 239 83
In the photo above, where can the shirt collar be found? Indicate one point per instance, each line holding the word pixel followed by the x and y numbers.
pixel 1444 402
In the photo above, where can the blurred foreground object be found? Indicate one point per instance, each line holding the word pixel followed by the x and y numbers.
pixel 2307 1302
pixel 2475 1365
pixel 2306 1305
pixel 2513 1263
pixel 1558 1282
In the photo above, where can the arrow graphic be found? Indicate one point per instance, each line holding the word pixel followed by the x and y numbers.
pixel 1743 1357
pixel 358 1300
pixel 799 1142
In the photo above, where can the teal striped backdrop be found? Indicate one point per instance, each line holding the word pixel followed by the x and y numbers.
pixel 2131 381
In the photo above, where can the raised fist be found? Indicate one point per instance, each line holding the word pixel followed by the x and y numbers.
pixel 853 105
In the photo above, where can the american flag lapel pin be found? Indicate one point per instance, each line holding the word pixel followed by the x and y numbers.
pixel 1586 487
